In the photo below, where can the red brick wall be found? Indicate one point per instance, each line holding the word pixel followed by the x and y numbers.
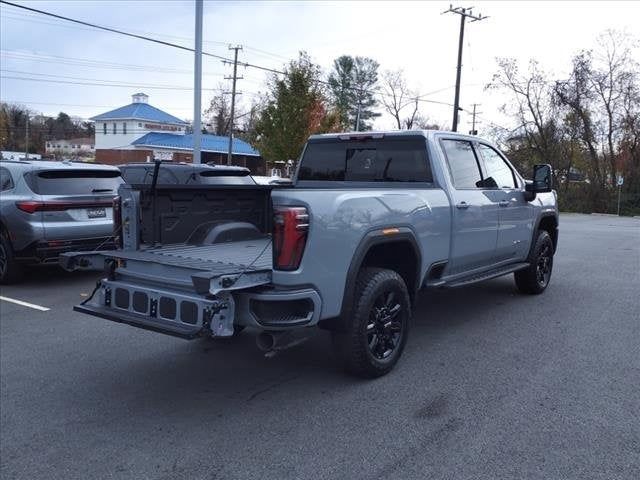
pixel 117 157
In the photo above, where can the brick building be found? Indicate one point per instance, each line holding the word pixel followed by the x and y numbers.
pixel 140 132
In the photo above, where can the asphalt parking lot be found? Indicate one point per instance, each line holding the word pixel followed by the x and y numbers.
pixel 492 384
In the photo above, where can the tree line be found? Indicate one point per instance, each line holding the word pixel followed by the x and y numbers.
pixel 303 101
pixel 586 126
pixel 14 132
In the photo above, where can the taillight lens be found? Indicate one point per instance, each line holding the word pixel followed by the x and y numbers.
pixel 290 227
pixel 117 221
pixel 33 206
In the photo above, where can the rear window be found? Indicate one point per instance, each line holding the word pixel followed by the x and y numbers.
pixel 139 175
pixel 226 177
pixel 73 182
pixel 371 160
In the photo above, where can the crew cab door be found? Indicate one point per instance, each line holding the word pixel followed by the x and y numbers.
pixel 515 213
pixel 475 214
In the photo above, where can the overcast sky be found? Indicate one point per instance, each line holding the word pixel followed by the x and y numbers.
pixel 413 36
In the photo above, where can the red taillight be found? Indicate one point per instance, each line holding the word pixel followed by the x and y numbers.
pixel 32 206
pixel 290 227
pixel 117 221
pixel 29 207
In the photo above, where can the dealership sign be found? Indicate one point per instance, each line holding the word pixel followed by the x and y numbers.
pixel 160 126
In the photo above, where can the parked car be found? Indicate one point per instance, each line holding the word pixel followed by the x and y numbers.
pixel 186 174
pixel 48 207
pixel 369 221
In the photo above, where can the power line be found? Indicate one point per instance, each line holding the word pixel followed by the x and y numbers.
pixel 99 64
pixel 98 84
pixel 181 47
pixel 134 35
pixel 30 17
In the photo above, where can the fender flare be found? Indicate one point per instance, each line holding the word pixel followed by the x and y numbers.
pixel 370 240
pixel 537 228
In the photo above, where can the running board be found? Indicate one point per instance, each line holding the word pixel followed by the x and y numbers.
pixel 479 277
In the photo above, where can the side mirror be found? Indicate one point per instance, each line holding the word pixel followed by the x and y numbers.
pixel 542 181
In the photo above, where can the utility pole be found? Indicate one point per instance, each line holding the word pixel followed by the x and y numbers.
pixel 464 13
pixel 233 100
pixel 26 139
pixel 197 85
pixel 359 111
pixel 473 121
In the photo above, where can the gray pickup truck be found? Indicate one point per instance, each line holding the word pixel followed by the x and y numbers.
pixel 369 220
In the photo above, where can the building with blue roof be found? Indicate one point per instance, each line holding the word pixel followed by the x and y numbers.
pixel 140 132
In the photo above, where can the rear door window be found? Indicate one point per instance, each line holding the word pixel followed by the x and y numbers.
pixel 371 160
pixel 6 181
pixel 74 182
pixel 463 165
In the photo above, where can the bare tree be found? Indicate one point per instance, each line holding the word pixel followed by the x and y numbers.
pixel 218 113
pixel 534 110
pixel 399 100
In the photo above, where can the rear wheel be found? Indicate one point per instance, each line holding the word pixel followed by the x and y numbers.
pixel 534 279
pixel 10 270
pixel 377 332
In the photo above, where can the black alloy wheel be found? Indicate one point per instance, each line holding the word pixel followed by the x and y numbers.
pixel 375 332
pixel 536 277
pixel 384 329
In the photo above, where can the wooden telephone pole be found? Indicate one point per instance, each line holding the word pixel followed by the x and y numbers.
pixel 464 14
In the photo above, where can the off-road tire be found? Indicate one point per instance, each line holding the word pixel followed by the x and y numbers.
pixel 10 270
pixel 356 344
pixel 534 279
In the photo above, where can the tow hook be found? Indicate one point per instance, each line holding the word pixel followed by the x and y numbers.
pixel 271 343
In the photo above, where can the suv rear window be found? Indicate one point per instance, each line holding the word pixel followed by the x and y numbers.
pixel 73 182
pixel 370 160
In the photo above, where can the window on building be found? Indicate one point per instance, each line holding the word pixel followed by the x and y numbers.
pixel 124 128
pixel 115 128
pixel 139 124
pixel 104 128
pixel 463 165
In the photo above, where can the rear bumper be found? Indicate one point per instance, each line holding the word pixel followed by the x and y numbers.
pixel 48 251
pixel 275 309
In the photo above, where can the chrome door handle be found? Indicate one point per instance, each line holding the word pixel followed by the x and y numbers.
pixel 462 205
pixel 504 203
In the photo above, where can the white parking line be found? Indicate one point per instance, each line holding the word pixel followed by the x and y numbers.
pixel 24 304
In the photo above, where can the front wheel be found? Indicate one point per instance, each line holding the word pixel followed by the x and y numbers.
pixel 377 331
pixel 535 278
